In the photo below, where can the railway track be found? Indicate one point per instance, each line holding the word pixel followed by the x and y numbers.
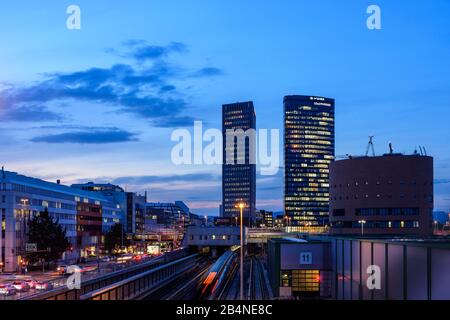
pixel 184 286
pixel 258 289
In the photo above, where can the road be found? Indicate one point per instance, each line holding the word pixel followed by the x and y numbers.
pixel 98 268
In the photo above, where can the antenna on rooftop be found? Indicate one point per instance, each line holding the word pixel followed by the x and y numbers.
pixel 391 149
pixel 370 146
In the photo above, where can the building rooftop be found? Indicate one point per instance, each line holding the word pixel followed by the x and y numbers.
pixel 14 177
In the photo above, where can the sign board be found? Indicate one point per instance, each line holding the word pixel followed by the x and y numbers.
pixel 306 258
pixel 31 247
pixel 154 250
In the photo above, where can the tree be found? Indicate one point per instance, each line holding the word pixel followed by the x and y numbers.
pixel 114 238
pixel 49 236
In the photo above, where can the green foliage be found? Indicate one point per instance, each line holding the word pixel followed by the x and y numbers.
pixel 49 236
pixel 113 238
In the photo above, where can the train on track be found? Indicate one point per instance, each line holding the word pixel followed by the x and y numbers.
pixel 218 274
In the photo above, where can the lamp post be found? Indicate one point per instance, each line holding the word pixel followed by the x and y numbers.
pixel 241 207
pixel 206 221
pixel 362 223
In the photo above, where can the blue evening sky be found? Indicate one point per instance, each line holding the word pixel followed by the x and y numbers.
pixel 100 103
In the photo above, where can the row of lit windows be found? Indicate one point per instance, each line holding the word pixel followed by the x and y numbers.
pixel 389 182
pixel 379 196
pixel 377 224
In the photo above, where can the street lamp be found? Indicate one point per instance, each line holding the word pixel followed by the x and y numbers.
pixel 241 207
pixel 362 223
pixel 206 221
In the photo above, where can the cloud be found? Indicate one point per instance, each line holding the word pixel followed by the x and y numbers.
pixel 441 181
pixel 146 52
pixel 31 113
pixel 97 136
pixel 173 122
pixel 191 177
pixel 143 90
pixel 208 72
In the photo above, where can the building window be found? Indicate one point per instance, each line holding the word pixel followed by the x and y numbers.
pixel 305 280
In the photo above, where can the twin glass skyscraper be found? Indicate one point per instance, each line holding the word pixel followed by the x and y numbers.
pixel 239 176
pixel 308 152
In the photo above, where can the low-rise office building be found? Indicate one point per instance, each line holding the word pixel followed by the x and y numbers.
pixel 385 195
pixel 300 268
pixel 213 239
pixel 169 214
pixel 80 212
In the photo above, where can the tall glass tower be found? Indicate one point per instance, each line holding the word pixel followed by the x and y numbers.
pixel 308 152
pixel 239 176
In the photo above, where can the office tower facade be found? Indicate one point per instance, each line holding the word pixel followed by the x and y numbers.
pixel 308 152
pixel 239 174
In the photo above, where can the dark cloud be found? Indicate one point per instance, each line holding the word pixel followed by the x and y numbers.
pixel 32 113
pixel 192 177
pixel 173 122
pixel 150 52
pixel 97 136
pixel 142 90
pixel 208 72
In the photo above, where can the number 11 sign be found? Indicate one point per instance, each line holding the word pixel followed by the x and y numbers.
pixel 305 257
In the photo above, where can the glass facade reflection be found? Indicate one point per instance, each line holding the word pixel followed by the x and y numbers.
pixel 308 152
pixel 239 177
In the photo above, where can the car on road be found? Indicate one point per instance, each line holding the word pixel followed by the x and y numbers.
pixel 108 259
pixel 61 269
pixel 124 258
pixel 7 290
pixel 40 285
pixel 31 283
pixel 88 268
pixel 21 286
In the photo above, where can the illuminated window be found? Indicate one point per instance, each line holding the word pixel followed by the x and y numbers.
pixel 305 280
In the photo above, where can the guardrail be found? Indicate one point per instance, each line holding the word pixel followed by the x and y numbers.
pixel 63 293
pixel 141 284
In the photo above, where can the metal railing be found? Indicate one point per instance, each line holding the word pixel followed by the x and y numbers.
pixel 141 284
pixel 63 293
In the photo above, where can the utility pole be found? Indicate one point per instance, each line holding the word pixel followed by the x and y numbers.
pixel 241 291
pixel 362 223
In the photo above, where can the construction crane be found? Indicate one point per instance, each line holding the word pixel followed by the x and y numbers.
pixel 370 146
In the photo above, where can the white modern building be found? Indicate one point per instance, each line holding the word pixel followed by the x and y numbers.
pixel 22 197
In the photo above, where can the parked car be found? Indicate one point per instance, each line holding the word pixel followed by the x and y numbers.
pixel 31 283
pixel 7 290
pixel 21 286
pixel 44 285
